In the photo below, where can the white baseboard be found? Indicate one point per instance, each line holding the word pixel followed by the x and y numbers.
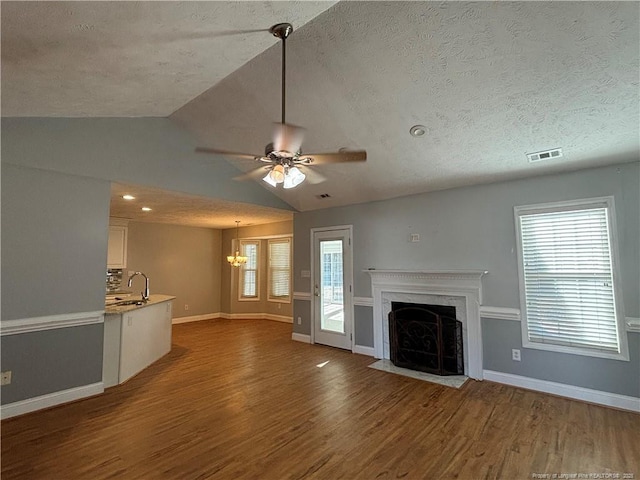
pixel 615 400
pixel 234 316
pixel 301 337
pixel 257 316
pixel 196 318
pixel 362 350
pixel 50 400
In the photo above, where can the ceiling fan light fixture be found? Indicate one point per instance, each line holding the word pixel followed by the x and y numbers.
pixel 293 178
pixel 277 174
pixel 267 178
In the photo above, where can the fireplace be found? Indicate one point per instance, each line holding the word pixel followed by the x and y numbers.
pixel 427 338
pixel 459 289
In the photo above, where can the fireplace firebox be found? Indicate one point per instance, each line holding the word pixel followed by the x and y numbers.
pixel 427 338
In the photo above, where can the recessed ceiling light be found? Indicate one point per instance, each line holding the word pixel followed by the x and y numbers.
pixel 128 197
pixel 418 130
pixel 146 209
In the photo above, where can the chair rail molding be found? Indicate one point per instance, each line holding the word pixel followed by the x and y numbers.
pixel 50 322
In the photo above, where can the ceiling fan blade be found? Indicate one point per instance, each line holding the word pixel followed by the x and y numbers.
pixel 206 35
pixel 288 138
pixel 338 157
pixel 313 177
pixel 215 151
pixel 255 174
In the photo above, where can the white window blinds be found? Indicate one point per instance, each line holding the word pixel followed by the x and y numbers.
pixel 567 273
pixel 280 270
pixel 249 271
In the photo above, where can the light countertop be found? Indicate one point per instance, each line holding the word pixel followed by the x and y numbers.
pixel 111 309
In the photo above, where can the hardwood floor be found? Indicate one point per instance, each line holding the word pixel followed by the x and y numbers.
pixel 240 399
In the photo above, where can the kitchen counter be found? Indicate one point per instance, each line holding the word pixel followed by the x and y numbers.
pixel 135 336
pixel 154 299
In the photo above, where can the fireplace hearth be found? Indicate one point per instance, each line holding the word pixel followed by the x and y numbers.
pixel 426 338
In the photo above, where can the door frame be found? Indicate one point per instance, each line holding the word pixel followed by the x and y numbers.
pixel 347 271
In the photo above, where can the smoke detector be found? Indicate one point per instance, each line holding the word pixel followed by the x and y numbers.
pixel 544 155
pixel 418 130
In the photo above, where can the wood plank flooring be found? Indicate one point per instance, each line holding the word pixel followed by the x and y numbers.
pixel 238 399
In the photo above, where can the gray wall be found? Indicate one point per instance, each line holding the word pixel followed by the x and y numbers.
pixel 54 242
pixel 54 251
pixel 145 151
pixel 180 261
pixel 473 228
pixel 229 292
pixel 51 360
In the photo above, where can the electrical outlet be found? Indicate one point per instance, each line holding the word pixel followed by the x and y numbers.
pixel 299 320
pixel 515 354
pixel 5 378
pixel 186 307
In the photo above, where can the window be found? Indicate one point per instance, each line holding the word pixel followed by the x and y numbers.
pixel 249 287
pixel 569 278
pixel 280 270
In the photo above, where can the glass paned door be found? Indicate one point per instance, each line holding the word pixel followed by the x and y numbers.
pixel 331 286
pixel 332 280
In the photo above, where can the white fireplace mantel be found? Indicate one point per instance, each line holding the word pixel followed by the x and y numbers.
pixel 462 288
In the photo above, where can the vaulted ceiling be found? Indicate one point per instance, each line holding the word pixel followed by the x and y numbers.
pixel 490 81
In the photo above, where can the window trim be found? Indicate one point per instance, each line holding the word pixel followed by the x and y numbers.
pixel 288 299
pixel 241 297
pixel 580 204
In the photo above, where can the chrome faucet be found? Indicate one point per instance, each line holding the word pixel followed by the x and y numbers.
pixel 145 294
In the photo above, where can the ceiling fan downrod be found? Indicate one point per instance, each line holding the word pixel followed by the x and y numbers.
pixel 282 31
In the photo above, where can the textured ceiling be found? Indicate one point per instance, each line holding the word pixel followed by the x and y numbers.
pixel 129 59
pixel 491 81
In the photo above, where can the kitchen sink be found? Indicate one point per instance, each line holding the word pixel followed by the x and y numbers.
pixel 129 302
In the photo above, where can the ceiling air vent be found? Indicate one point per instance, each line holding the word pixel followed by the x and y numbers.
pixel 544 155
pixel 323 195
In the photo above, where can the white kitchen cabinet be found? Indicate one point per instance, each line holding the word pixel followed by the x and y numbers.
pixel 135 338
pixel 117 249
pixel 145 337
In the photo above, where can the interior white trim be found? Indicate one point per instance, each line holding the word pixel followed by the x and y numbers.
pixel 256 316
pixel 50 400
pixel 196 318
pixel 464 286
pixel 302 296
pixel 633 324
pixel 49 322
pixel 363 350
pixel 500 313
pixel 615 400
pixel 301 337
pixel 363 301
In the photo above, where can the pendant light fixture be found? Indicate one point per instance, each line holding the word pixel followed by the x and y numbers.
pixel 237 260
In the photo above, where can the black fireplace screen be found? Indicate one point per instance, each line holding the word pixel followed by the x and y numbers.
pixel 426 340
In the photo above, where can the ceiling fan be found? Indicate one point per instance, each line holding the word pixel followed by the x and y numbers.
pixel 283 157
